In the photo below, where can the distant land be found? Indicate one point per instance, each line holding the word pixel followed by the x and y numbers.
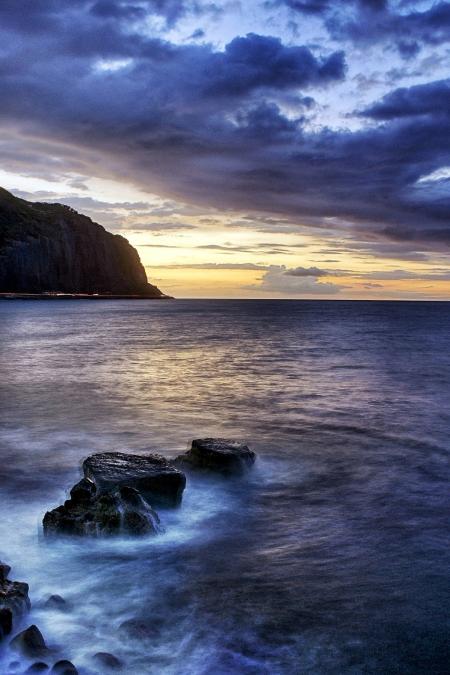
pixel 51 251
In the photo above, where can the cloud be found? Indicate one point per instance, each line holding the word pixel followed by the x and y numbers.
pixel 371 21
pixel 215 266
pixel 207 125
pixel 280 280
pixel 161 227
pixel 259 61
pixel 395 275
pixel 423 99
pixel 39 16
pixel 307 272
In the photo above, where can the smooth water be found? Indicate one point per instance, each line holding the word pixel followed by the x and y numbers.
pixel 332 556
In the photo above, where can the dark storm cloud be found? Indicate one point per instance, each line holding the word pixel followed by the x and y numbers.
pixel 321 7
pixel 262 61
pixel 45 15
pixel 206 126
pixel 424 99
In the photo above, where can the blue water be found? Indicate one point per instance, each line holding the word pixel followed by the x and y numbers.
pixel 332 556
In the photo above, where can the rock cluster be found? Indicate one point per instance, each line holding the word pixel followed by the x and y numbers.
pixel 115 496
pixel 219 455
pixel 119 490
pixel 121 511
pixel 29 643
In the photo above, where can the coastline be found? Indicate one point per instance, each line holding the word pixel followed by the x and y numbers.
pixel 79 296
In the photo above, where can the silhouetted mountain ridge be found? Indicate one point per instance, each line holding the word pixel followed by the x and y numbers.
pixel 52 248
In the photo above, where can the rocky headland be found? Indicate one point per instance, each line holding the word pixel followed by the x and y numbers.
pixel 50 249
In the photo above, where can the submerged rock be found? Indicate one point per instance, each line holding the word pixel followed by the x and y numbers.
pixel 38 667
pixel 56 602
pixel 64 667
pixel 108 661
pixel 156 479
pixel 218 454
pixel 123 511
pixel 30 642
pixel 14 600
pixel 140 629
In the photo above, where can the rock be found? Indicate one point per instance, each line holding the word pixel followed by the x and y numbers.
pixel 83 492
pixel 51 247
pixel 6 622
pixel 30 642
pixel 218 454
pixel 4 571
pixel 106 660
pixel 152 475
pixel 56 602
pixel 124 511
pixel 64 667
pixel 38 667
pixel 14 600
pixel 140 629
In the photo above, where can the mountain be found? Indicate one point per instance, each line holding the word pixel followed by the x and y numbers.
pixel 52 248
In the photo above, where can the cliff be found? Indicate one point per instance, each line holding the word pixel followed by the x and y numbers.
pixel 52 248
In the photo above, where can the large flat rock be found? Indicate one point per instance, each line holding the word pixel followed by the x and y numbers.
pixel 159 482
pixel 221 455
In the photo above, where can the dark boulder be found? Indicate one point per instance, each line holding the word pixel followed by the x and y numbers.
pixel 14 600
pixel 30 642
pixel 218 454
pixel 64 667
pixel 108 661
pixel 124 511
pixel 152 475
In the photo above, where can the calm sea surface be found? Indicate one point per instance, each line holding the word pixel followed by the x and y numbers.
pixel 332 556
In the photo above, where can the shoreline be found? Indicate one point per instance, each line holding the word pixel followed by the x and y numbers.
pixel 78 296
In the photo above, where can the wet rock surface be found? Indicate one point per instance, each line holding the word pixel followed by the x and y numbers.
pixel 88 513
pixel 152 475
pixel 218 454
pixel 14 600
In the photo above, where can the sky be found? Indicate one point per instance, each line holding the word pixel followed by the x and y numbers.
pixel 260 149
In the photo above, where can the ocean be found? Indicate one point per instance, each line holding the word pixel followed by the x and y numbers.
pixel 330 556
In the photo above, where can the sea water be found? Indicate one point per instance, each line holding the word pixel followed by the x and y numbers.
pixel 330 556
